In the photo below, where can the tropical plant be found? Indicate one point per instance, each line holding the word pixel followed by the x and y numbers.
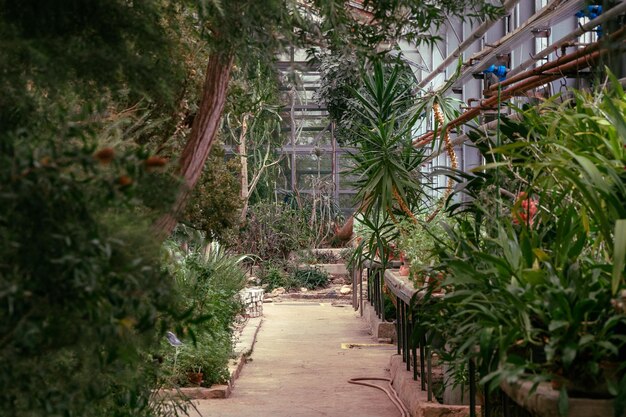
pixel 385 162
pixel 208 280
pixel 535 289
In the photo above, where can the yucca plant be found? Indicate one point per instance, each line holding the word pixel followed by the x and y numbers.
pixel 385 160
pixel 388 183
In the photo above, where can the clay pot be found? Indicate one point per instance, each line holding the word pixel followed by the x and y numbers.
pixel 195 378
pixel 404 271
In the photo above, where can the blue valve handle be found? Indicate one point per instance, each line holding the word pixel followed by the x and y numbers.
pixel 498 70
pixel 592 11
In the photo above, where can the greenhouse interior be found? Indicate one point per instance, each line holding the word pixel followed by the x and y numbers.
pixel 300 208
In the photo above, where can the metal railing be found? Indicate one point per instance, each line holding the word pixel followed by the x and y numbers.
pixel 408 313
pixel 375 294
pixel 406 318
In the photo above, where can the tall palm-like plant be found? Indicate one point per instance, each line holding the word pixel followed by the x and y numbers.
pixel 385 160
pixel 388 182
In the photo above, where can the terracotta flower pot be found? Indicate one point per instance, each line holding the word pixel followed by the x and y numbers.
pixel 404 270
pixel 195 378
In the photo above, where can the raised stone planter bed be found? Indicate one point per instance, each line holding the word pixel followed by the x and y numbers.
pixel 332 269
pixel 415 399
pixel 383 331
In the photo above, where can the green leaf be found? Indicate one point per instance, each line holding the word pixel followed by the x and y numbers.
pixel 541 255
pixel 569 354
pixel 533 276
pixel 619 253
pixel 557 324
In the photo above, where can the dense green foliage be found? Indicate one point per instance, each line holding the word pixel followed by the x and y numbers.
pixel 215 202
pixel 272 232
pixel 83 297
pixel 535 281
pixel 93 48
pixel 208 281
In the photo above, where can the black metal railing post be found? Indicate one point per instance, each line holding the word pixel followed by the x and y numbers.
pixel 382 294
pixel 368 276
pixel 400 340
pixel 486 402
pixel 414 347
pixel 407 334
pixel 422 364
pixel 472 388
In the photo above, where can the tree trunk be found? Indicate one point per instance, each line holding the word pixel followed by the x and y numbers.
pixel 243 154
pixel 203 131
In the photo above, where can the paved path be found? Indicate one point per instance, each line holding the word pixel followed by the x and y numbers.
pixel 299 368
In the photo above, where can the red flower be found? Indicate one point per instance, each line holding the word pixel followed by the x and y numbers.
pixel 155 161
pixel 124 180
pixel 524 209
pixel 105 155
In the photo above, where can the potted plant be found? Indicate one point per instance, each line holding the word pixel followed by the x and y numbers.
pixel 417 244
pixel 195 376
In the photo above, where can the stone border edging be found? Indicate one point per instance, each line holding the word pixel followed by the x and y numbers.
pixel 416 400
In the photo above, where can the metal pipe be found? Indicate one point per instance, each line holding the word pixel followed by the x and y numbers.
pixel 529 83
pixel 604 17
pixel 561 60
pixel 477 34
pixel 550 15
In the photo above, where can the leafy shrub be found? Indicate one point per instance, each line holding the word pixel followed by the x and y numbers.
pixel 215 201
pixel 272 232
pixel 82 293
pixel 274 276
pixel 310 278
pixel 208 280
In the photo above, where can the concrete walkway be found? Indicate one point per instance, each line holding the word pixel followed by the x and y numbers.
pixel 300 369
